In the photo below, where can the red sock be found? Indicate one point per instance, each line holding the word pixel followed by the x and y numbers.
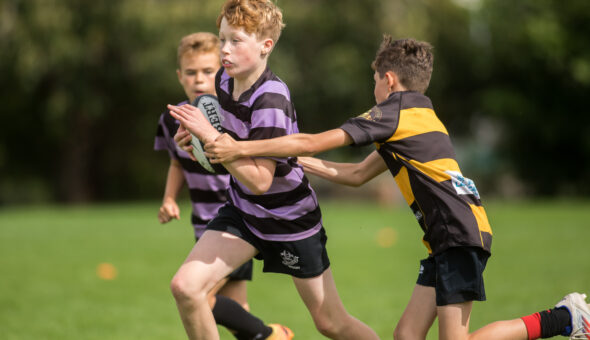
pixel 533 325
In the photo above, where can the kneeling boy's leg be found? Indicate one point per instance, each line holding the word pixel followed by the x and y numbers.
pixel 212 258
pixel 329 315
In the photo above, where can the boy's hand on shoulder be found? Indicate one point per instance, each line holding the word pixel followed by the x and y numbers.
pixel 168 211
pixel 223 149
pixel 183 139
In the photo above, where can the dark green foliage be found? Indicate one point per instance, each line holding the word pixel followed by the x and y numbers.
pixel 82 85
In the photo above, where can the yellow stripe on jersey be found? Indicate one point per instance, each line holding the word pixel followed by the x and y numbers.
pixel 403 182
pixel 437 168
pixel 481 218
pixel 416 121
pixel 427 245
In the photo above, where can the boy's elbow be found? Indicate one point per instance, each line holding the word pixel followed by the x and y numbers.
pixel 358 178
pixel 260 188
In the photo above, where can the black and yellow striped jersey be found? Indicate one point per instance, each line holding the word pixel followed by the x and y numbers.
pixel 418 151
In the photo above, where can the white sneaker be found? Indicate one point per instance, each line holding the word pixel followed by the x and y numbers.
pixel 580 315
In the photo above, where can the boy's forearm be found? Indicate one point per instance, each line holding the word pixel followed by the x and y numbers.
pixel 298 144
pixel 174 180
pixel 341 173
pixel 285 146
pixel 351 174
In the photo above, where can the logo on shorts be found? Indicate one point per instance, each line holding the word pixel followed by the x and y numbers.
pixel 421 270
pixel 290 260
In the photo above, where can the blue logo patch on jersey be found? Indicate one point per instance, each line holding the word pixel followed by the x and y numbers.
pixel 462 185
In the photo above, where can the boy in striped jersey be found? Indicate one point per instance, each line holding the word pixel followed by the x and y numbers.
pixel 415 146
pixel 198 62
pixel 273 213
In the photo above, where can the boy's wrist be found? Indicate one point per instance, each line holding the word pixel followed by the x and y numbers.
pixel 209 137
pixel 169 199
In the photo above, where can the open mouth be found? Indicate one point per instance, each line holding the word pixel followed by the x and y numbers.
pixel 226 63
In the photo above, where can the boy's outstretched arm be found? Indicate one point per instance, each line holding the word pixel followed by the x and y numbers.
pixel 225 148
pixel 352 174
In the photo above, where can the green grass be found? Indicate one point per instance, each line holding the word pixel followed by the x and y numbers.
pixel 49 288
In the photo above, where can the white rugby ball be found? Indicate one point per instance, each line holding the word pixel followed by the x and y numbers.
pixel 209 106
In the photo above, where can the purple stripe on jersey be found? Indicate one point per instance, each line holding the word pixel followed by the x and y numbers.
pixel 160 143
pixel 232 123
pixel 289 212
pixel 285 237
pixel 206 182
pixel 224 82
pixel 271 118
pixel 270 86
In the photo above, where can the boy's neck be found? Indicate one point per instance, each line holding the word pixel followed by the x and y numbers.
pixel 243 83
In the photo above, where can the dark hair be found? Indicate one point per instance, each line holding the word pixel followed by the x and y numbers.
pixel 411 60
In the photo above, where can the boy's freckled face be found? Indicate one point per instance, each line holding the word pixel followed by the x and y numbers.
pixel 240 51
pixel 381 87
pixel 197 73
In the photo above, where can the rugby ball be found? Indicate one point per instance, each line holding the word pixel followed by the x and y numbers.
pixel 209 106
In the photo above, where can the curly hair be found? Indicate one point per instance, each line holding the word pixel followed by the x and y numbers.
pixel 261 17
pixel 410 59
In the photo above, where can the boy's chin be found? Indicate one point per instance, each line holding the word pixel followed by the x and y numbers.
pixel 232 72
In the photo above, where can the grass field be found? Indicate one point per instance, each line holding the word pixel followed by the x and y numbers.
pixel 49 287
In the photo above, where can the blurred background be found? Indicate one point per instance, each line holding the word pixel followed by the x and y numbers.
pixel 82 85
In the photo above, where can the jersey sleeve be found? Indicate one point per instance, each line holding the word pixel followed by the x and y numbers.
pixel 376 125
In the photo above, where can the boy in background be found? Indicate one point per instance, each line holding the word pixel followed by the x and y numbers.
pixel 198 62
pixel 272 212
pixel 416 148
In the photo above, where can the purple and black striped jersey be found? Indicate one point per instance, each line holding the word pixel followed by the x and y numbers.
pixel 208 192
pixel 418 151
pixel 289 210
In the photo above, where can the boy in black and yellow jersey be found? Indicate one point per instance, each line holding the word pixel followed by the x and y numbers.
pixel 415 146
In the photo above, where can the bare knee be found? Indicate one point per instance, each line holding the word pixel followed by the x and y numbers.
pixel 185 290
pixel 402 332
pixel 328 326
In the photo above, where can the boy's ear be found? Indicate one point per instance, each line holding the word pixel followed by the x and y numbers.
pixel 267 46
pixel 392 80
pixel 179 75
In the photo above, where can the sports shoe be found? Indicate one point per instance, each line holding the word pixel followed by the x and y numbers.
pixel 580 315
pixel 280 332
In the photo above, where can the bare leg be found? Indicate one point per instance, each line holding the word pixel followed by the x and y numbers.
pixel 418 315
pixel 453 321
pixel 212 258
pixel 502 330
pixel 329 315
pixel 236 290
